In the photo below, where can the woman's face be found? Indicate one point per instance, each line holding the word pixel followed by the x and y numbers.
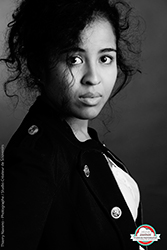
pixel 85 84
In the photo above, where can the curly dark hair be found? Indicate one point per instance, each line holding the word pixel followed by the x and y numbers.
pixel 41 30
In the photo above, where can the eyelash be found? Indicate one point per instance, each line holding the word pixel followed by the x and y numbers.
pixel 108 57
pixel 71 58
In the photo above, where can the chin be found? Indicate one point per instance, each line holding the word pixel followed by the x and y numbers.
pixel 89 114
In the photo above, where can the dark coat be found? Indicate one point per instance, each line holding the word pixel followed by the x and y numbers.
pixel 59 192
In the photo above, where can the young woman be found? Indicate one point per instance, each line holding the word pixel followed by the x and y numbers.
pixel 63 188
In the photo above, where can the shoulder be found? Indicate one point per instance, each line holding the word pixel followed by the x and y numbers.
pixel 40 141
pixel 32 134
pixel 34 153
pixel 35 148
pixel 37 130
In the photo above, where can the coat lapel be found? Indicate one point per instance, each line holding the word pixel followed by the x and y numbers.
pixel 99 179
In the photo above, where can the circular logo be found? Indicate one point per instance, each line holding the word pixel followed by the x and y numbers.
pixel 145 235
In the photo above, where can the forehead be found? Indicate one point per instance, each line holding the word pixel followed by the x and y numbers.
pixel 98 33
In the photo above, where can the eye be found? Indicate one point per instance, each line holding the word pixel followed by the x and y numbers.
pixel 75 60
pixel 106 59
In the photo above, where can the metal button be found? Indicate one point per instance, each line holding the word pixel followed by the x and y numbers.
pixel 33 130
pixel 86 171
pixel 116 212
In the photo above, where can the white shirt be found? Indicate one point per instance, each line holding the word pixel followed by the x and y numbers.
pixel 127 186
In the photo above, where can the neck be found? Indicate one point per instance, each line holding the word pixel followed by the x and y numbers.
pixel 79 128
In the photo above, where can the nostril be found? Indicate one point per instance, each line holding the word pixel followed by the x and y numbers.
pixel 89 82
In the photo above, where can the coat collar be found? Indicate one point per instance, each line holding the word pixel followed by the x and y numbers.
pixel 42 110
pixel 47 113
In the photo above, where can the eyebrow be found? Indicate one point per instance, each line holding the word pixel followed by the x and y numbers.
pixel 77 49
pixel 107 50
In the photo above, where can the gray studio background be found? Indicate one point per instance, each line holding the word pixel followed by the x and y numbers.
pixel 138 130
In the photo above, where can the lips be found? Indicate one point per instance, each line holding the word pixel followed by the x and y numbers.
pixel 90 95
pixel 90 99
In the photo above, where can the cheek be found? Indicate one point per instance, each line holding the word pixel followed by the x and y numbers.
pixel 110 81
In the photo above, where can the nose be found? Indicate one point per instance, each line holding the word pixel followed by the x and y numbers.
pixel 91 75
